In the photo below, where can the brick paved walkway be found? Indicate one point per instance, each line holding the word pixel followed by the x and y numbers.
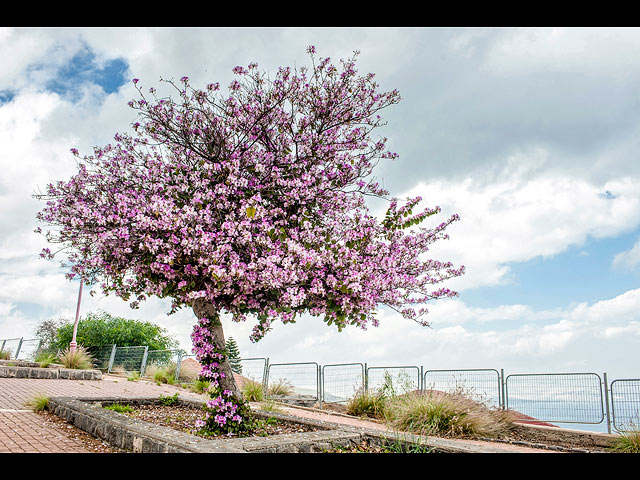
pixel 24 431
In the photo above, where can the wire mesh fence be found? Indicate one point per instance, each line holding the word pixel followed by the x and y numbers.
pixel 102 356
pixel 625 404
pixel 559 397
pixel 164 364
pixel 288 379
pixel 129 359
pixel 393 380
pixel 550 397
pixel 9 346
pixel 341 382
pixel 28 349
pixel 482 385
pixel 255 369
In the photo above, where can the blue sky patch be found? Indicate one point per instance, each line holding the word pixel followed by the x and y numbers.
pixel 579 274
pixel 83 68
pixel 6 96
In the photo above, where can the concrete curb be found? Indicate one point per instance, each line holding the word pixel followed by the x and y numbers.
pixel 138 436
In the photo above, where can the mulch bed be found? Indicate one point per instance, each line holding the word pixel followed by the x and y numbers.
pixel 183 418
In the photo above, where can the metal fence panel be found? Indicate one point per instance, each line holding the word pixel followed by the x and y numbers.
pixel 129 359
pixel 482 385
pixel 396 380
pixel 254 369
pixel 190 368
pixel 341 382
pixel 101 356
pixel 625 404
pixel 167 360
pixel 557 397
pixel 28 349
pixel 10 345
pixel 302 378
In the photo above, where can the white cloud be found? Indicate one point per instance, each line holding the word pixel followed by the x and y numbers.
pixel 517 216
pixel 629 259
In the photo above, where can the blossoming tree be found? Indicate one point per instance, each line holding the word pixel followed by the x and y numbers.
pixel 250 203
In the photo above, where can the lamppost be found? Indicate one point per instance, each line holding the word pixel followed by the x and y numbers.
pixel 73 344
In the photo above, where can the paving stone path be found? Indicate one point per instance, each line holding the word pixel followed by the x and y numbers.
pixel 24 431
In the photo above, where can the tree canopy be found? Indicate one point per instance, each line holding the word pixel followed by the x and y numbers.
pixel 254 201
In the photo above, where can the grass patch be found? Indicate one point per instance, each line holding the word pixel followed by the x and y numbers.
pixel 199 386
pixel 280 387
pixel 119 408
pixel 270 406
pixel 252 391
pixel 45 359
pixel 169 400
pixel 446 414
pixel 38 403
pixel 162 374
pixel 628 442
pixel 367 404
pixel 80 359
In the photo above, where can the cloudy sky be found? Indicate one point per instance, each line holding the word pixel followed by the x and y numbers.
pixel 531 135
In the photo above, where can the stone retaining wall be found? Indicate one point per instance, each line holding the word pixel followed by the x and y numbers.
pixel 16 369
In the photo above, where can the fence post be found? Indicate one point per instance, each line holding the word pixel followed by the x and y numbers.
pixel 503 402
pixel 178 364
pixel 19 347
pixel 265 377
pixel 112 358
pixel 421 380
pixel 606 401
pixel 366 378
pixel 320 387
pixel 143 364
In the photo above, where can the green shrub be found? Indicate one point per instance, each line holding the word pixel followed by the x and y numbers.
pixel 5 355
pixel 98 329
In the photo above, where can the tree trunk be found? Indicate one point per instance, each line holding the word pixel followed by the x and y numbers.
pixel 204 309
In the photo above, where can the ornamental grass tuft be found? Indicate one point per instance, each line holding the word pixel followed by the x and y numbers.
pixel 80 359
pixel 252 391
pixel 446 414
pixel 628 442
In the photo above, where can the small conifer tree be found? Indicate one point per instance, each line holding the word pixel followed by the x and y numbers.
pixel 234 356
